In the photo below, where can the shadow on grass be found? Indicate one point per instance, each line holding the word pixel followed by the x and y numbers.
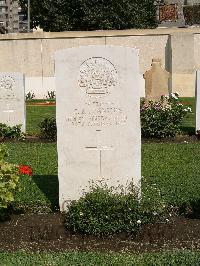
pixel 48 184
pixel 191 210
pixel 188 130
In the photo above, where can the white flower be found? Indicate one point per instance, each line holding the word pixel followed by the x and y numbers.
pixel 167 220
pixel 139 222
pixel 81 214
pixel 155 213
pixel 189 109
pixel 174 95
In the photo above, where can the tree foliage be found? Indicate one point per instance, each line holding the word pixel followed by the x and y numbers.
pixel 61 15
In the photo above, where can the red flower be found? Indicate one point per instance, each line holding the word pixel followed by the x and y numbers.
pixel 25 169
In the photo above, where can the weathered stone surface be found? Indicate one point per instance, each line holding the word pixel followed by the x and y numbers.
pixel 98 118
pixel 12 99
pixel 156 81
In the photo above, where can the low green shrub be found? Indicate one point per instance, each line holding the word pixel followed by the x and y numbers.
pixel 51 95
pixel 9 180
pixel 106 211
pixel 12 132
pixel 30 96
pixel 162 118
pixel 48 129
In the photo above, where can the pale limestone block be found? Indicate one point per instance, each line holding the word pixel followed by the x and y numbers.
pixel 182 50
pixel 12 99
pixel 156 81
pixel 49 47
pixel 184 84
pixel 149 46
pixel 98 118
pixel 21 56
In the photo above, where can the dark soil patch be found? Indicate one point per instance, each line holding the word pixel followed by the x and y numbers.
pixel 28 139
pixel 44 232
pixel 178 139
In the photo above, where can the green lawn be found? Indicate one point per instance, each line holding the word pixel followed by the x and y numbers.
pixel 40 192
pixel 174 169
pixel 188 125
pixel 185 258
pixel 36 113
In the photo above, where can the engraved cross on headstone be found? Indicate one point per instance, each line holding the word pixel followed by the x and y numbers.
pixel 100 148
pixel 8 111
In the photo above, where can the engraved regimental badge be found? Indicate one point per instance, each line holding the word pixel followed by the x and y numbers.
pixel 7 83
pixel 97 77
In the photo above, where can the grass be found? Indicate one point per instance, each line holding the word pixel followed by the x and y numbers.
pixel 39 193
pixel 188 125
pixel 91 258
pixel 36 113
pixel 173 168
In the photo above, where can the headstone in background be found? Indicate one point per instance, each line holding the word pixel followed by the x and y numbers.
pixel 197 100
pixel 12 99
pixel 156 81
pixel 98 118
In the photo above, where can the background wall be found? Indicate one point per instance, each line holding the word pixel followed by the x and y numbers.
pixel 33 54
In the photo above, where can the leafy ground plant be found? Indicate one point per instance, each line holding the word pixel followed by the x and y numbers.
pixel 30 96
pixel 106 211
pixel 162 118
pixel 11 132
pixel 9 179
pixel 48 129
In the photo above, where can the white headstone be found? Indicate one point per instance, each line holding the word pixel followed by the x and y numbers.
pixel 12 99
pixel 98 118
pixel 197 100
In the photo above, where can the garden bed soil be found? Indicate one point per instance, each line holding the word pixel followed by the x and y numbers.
pixel 41 104
pixel 179 139
pixel 28 139
pixel 45 232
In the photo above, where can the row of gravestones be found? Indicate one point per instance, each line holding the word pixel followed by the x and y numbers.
pixel 13 98
pixel 97 114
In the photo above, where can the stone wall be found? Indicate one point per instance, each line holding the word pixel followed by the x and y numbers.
pixel 33 54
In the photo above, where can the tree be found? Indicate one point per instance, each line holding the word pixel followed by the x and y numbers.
pixel 61 15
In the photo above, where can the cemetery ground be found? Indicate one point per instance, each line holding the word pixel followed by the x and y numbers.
pixel 170 168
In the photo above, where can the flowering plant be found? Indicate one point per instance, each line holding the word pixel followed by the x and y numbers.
pixel 9 180
pixel 25 169
pixel 162 118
